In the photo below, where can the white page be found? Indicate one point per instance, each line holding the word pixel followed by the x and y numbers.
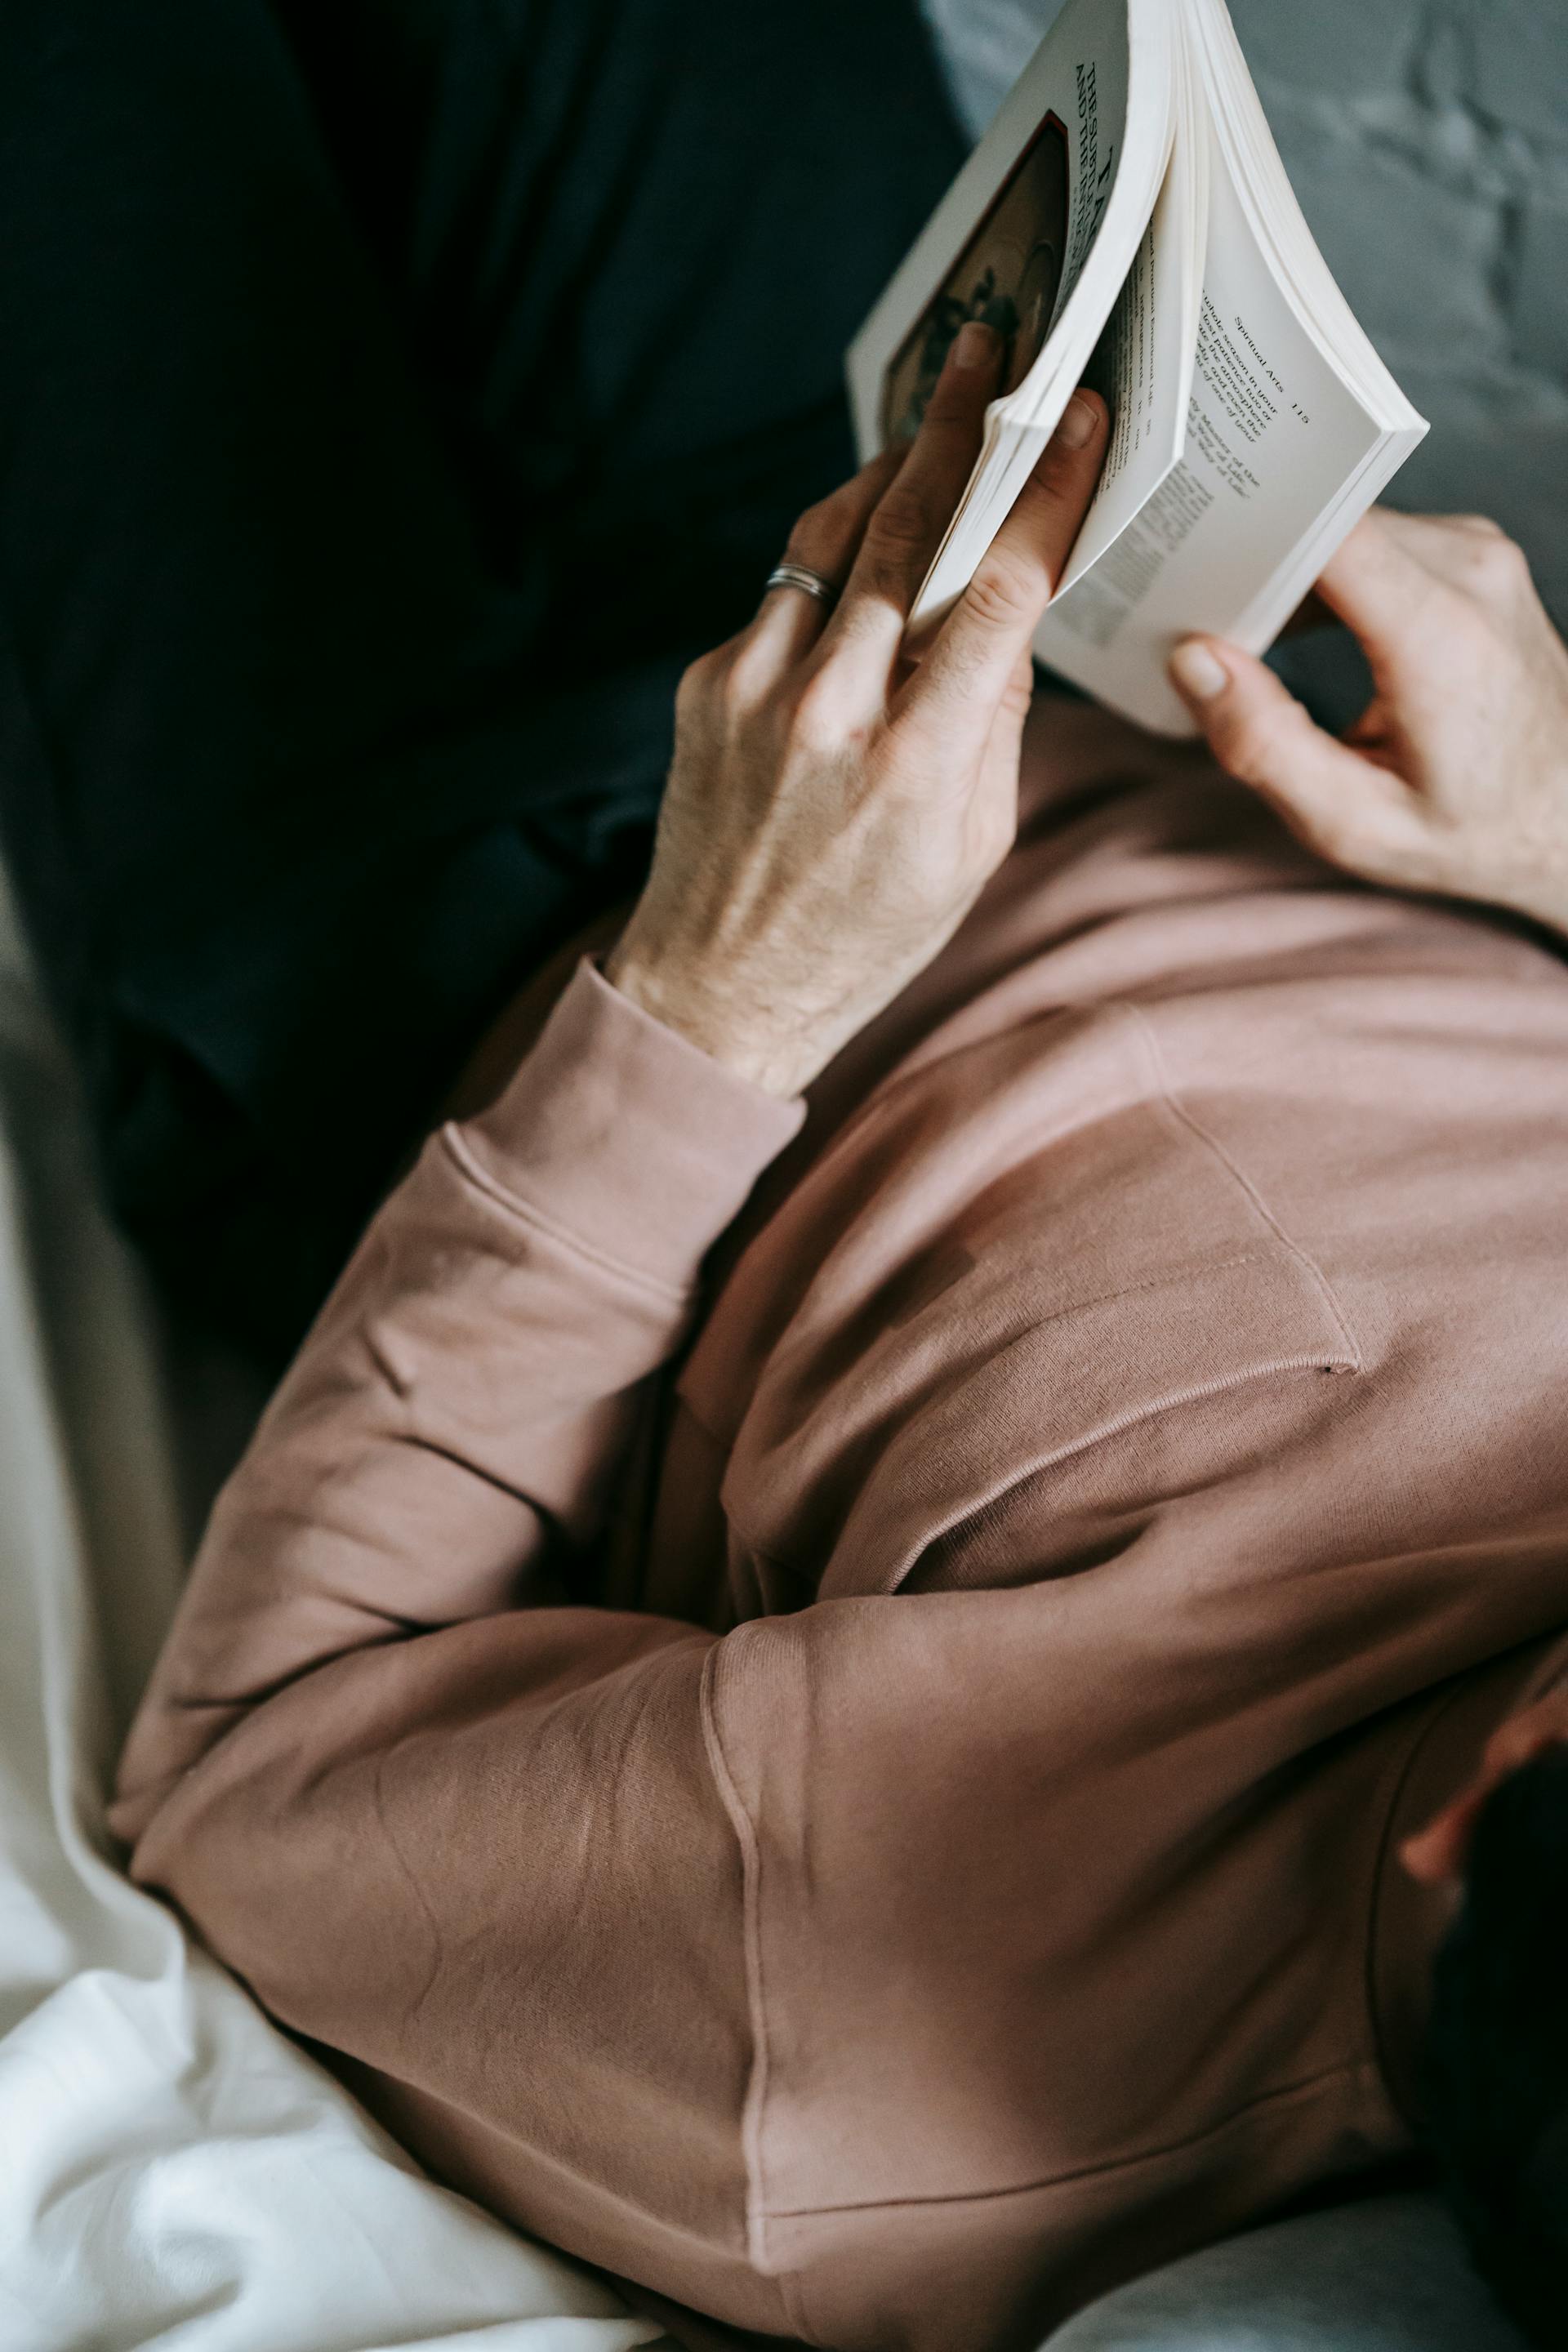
pixel 1014 232
pixel 1274 434
pixel 1145 361
pixel 1144 367
pixel 1038 234
pixel 1116 69
pixel 1089 50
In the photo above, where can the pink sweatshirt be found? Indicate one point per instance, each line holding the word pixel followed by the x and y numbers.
pixel 857 1793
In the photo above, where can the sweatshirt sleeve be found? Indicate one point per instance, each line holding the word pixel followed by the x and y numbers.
pixel 456 1417
pixel 435 1823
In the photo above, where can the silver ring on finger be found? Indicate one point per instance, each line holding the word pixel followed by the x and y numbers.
pixel 801 576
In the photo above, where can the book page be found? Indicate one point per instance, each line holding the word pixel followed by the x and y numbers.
pixel 1120 101
pixel 1092 36
pixel 1009 276
pixel 1144 364
pixel 1273 437
pixel 1024 251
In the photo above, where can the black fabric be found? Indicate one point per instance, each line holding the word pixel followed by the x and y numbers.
pixel 1495 2070
pixel 396 393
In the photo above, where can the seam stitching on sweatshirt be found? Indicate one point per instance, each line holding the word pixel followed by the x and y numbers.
pixel 1178 1109
pixel 1291 2094
pixel 1115 1425
pixel 1174 1278
pixel 757 2088
pixel 472 1173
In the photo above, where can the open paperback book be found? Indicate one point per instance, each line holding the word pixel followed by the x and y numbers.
pixel 1127 222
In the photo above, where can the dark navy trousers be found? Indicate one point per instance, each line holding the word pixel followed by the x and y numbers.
pixel 394 396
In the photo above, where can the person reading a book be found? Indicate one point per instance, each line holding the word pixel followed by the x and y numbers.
pixel 851 1672
pixel 881 1806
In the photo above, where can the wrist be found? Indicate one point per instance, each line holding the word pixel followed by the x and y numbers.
pixel 710 1015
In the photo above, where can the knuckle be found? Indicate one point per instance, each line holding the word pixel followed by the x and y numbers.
pixel 1341 839
pixel 699 682
pixel 824 524
pixel 954 405
pixel 1371 840
pixel 818 724
pixel 1250 750
pixel 812 533
pixel 902 521
pixel 1451 617
pixel 1494 562
pixel 1006 587
pixel 825 535
pixel 746 681
pixel 1512 563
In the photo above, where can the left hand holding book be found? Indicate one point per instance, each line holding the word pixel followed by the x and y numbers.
pixel 836 807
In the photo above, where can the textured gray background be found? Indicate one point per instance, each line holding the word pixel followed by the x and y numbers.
pixel 1428 142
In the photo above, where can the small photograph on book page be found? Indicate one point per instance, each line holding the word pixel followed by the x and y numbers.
pixel 1008 275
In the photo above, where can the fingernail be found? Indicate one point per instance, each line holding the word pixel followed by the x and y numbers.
pixel 976 346
pixel 1198 672
pixel 1080 424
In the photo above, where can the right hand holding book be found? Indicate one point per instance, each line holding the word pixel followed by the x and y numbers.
pixel 1456 778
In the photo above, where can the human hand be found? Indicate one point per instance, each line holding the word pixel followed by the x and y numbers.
pixel 1439 1852
pixel 835 808
pixel 1456 778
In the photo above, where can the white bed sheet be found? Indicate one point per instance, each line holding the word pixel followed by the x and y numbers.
pixel 173 2172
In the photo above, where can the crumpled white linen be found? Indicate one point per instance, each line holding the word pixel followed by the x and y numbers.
pixel 173 2172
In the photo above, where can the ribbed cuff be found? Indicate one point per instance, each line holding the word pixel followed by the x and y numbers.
pixel 628 1138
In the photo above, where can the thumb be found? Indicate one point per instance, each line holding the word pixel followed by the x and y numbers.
pixel 1345 807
